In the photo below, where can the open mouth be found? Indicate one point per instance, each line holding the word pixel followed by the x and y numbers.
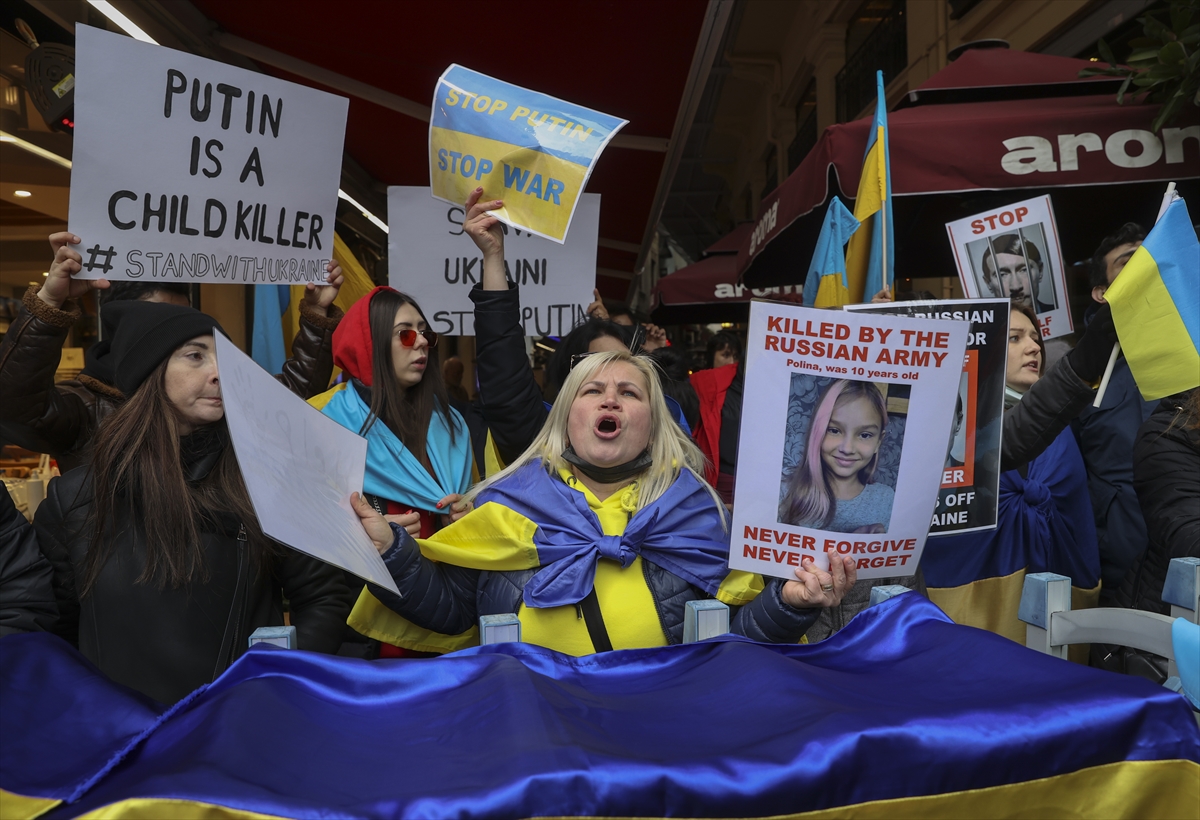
pixel 1031 365
pixel 608 427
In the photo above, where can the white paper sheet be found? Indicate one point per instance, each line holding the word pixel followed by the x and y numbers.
pixel 300 467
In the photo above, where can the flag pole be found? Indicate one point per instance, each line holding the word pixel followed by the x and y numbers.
pixel 1168 198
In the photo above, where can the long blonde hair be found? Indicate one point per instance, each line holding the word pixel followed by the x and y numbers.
pixel 670 448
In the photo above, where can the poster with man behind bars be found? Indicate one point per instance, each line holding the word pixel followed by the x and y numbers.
pixel 968 496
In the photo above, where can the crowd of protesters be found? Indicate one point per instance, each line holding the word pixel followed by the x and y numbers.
pixel 607 512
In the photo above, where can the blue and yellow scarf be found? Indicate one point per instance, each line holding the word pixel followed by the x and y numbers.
pixel 392 471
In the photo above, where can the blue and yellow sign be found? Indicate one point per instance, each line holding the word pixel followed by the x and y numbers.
pixel 532 150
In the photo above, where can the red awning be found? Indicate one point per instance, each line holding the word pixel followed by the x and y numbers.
pixel 706 290
pixel 944 147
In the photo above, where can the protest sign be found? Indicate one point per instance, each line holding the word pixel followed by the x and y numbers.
pixel 1013 252
pixel 854 403
pixel 971 475
pixel 532 150
pixel 299 467
pixel 430 259
pixel 191 170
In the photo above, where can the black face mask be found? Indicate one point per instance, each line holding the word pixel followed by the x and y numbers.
pixel 608 475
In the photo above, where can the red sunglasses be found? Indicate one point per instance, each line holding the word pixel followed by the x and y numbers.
pixel 408 336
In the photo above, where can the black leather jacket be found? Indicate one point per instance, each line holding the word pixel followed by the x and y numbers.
pixel 167 642
pixel 61 419
pixel 450 599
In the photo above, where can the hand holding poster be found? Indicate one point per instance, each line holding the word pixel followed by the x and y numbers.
pixel 531 150
pixel 430 259
pixel 1012 253
pixel 845 402
pixel 971 477
pixel 300 467
pixel 191 170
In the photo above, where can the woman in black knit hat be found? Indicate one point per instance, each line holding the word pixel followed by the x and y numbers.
pixel 161 571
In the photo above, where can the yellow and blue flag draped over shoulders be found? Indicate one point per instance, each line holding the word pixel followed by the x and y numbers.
pixel 1156 307
pixel 825 285
pixel 532 150
pixel 1044 523
pixel 871 255
pixel 900 714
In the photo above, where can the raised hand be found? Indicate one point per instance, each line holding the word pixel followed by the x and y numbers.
pixel 319 298
pixel 484 229
pixel 59 286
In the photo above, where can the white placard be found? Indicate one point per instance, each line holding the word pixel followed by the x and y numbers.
pixel 299 466
pixel 432 260
pixel 883 388
pixel 1013 252
pixel 191 170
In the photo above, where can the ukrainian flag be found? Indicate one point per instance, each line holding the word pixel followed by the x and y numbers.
pixel 1156 307
pixel 825 283
pixel 900 714
pixel 870 257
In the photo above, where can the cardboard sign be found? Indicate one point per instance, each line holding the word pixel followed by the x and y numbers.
pixel 1013 252
pixel 532 150
pixel 191 170
pixel 299 467
pixel 850 402
pixel 971 476
pixel 432 260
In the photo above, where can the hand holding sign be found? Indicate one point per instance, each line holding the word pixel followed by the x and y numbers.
pixel 59 286
pixel 817 588
pixel 484 227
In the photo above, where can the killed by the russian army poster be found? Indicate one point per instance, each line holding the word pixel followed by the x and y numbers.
pixel 844 405
pixel 971 475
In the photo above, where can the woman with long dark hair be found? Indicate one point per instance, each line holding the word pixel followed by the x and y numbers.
pixel 161 571
pixel 418 447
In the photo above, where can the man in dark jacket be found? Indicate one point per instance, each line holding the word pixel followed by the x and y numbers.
pixel 26 587
pixel 60 419
pixel 1106 434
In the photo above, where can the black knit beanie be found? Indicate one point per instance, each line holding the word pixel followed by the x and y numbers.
pixel 148 332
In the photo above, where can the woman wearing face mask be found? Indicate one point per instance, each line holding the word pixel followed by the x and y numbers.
pixel 161 571
pixel 1044 521
pixel 595 537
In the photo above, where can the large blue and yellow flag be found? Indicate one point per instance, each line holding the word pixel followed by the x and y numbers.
pixel 1156 307
pixel 825 284
pixel 871 254
pixel 532 150
pixel 900 714
pixel 1044 523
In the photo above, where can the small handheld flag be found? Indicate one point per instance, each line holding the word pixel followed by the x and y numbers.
pixel 1156 307
pixel 825 285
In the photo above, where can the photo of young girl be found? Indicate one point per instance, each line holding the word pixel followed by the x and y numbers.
pixel 835 482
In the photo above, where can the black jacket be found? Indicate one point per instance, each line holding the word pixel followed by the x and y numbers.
pixel 61 419
pixel 513 409
pixel 167 642
pixel 1047 408
pixel 26 588
pixel 1166 476
pixel 449 599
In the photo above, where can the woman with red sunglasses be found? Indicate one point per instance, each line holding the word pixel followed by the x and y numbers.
pixel 418 447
